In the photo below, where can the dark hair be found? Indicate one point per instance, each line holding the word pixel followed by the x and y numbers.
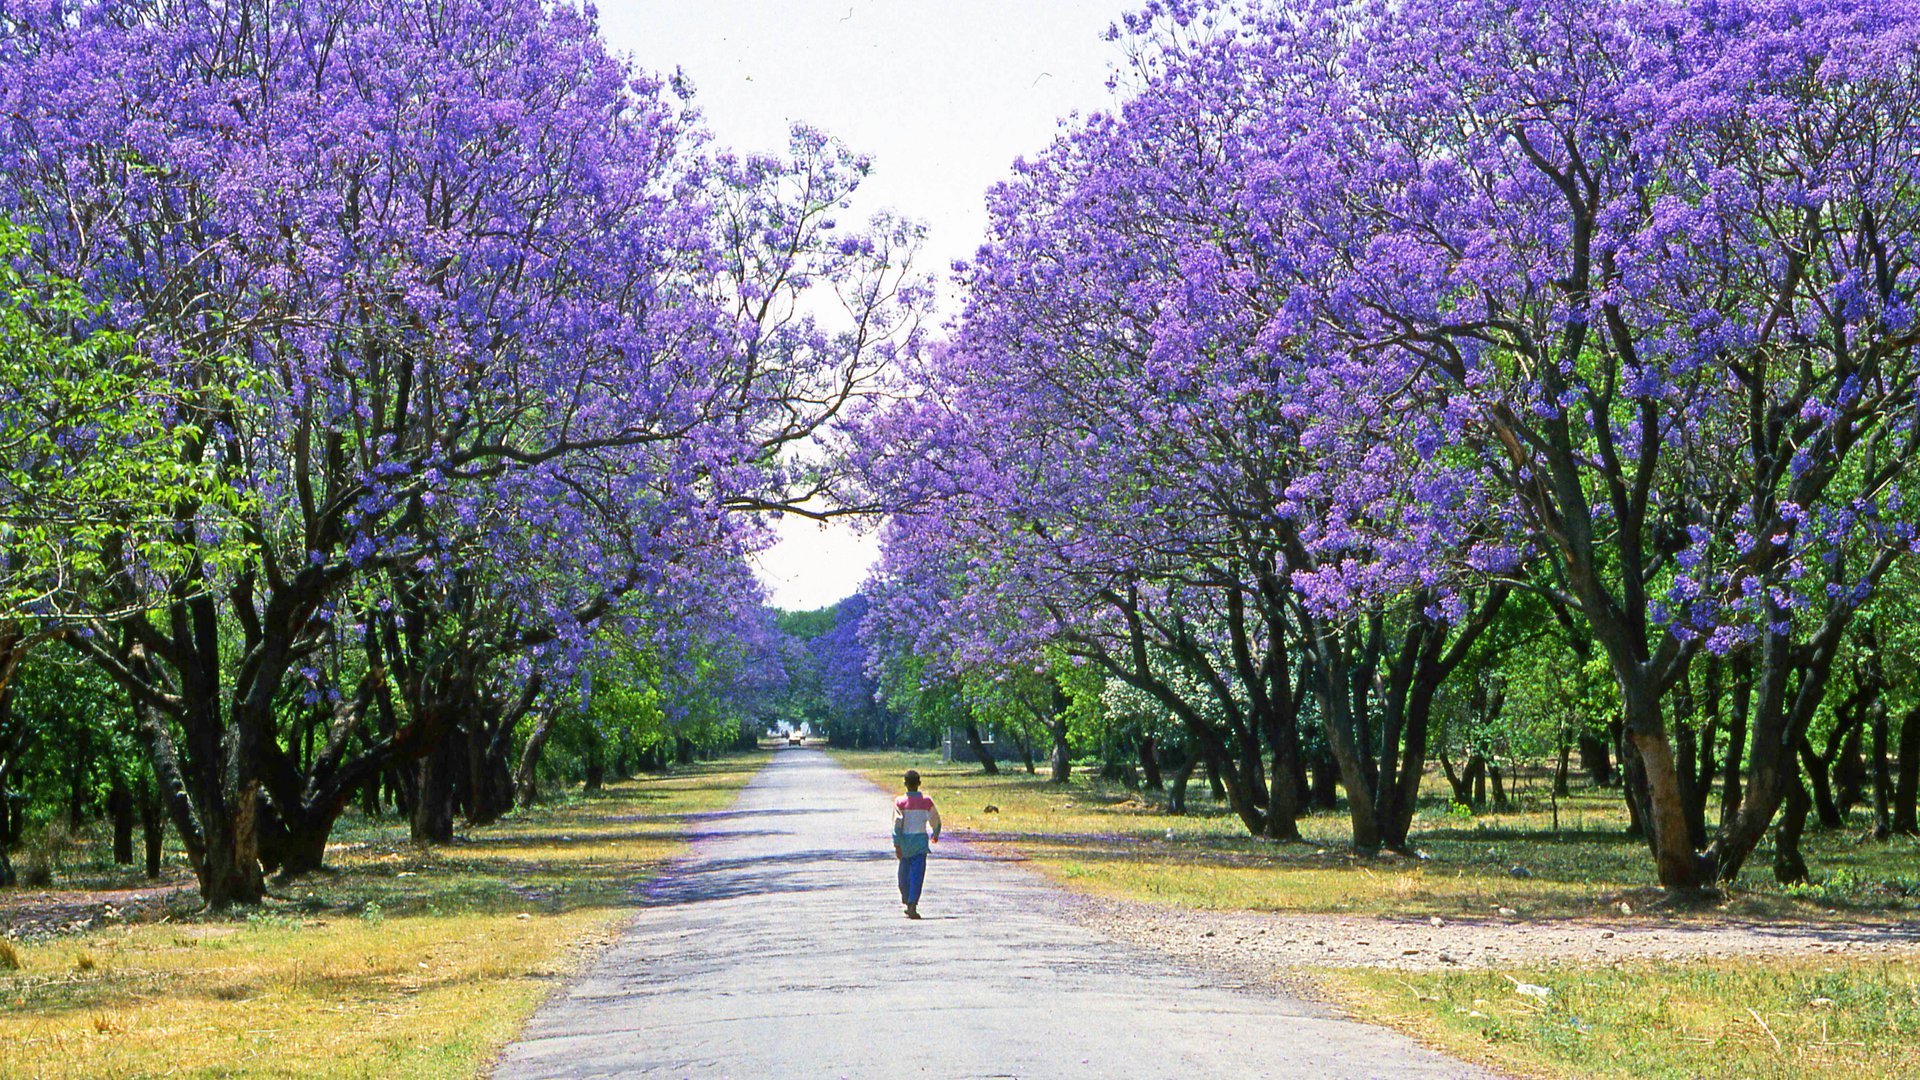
pixel 913 780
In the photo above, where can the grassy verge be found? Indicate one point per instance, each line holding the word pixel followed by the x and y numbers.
pixel 1754 1018
pixel 399 962
pixel 1106 839
pixel 1778 1020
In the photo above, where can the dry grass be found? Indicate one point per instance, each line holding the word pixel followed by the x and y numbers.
pixel 1777 1020
pixel 402 962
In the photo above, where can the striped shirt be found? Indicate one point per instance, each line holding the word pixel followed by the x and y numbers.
pixel 913 817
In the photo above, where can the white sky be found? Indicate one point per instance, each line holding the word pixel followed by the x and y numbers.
pixel 943 94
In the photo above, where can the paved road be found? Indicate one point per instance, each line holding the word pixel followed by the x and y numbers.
pixel 778 949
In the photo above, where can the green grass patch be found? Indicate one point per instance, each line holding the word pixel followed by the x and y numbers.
pixel 1754 1020
pixel 398 961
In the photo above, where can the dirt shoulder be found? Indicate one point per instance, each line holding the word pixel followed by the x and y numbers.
pixel 46 912
pixel 1250 943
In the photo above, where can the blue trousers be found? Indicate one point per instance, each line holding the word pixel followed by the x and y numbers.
pixel 913 871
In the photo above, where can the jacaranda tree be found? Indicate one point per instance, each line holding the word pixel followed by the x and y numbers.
pixel 485 339
pixel 1357 316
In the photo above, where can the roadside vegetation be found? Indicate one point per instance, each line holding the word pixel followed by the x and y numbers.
pixel 1833 1015
pixel 402 961
pixel 1779 1020
pixel 1104 837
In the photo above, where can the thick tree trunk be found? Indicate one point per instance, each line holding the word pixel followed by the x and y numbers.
pixel 1677 860
pixel 1399 795
pixel 1149 763
pixel 1177 791
pixel 1693 795
pixel 303 846
pixel 595 766
pixel 1060 761
pixel 489 778
pixel 229 871
pixel 1325 782
pixel 1336 698
pixel 1595 760
pixel 153 824
pixel 1281 727
pixel 1906 792
pixel 432 820
pixel 1282 811
pixel 980 752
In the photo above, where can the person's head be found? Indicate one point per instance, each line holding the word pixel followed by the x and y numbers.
pixel 913 780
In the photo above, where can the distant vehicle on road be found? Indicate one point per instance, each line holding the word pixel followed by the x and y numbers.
pixel 794 738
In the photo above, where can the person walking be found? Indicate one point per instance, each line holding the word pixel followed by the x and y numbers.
pixel 916 824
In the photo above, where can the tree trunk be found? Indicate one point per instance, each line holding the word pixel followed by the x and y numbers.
pixel 1849 769
pixel 120 809
pixel 1679 863
pixel 1282 811
pixel 1595 760
pixel 1561 788
pixel 153 824
pixel 1823 804
pixel 1324 777
pixel 1906 792
pixel 1150 763
pixel 1882 778
pixel 303 845
pixel 1730 773
pixel 980 751
pixel 1337 696
pixel 489 776
pixel 1060 761
pixel 229 871
pixel 79 765
pixel 1498 781
pixel 1693 795
pixel 1788 866
pixel 1177 792
pixel 595 765
pixel 526 778
pixel 1461 781
pixel 432 820
pixel 10 746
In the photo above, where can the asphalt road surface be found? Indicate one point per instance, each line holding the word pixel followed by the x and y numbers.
pixel 778 949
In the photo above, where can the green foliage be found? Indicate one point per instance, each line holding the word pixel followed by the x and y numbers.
pixel 93 477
